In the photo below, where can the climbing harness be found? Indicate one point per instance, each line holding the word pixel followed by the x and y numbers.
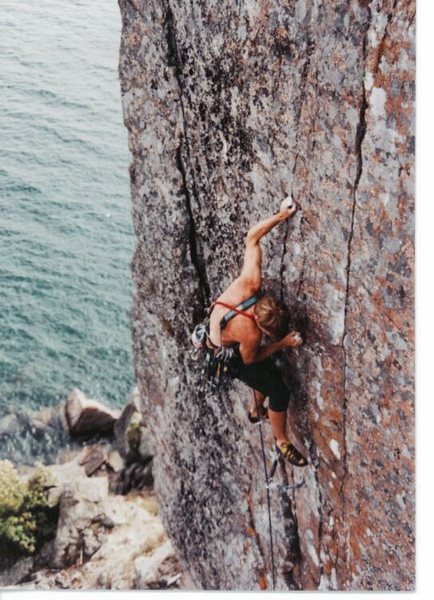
pixel 200 334
pixel 219 359
pixel 236 310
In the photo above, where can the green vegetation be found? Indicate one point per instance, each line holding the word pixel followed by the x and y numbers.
pixel 27 519
pixel 133 433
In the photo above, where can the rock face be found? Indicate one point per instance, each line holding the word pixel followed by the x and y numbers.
pixel 230 106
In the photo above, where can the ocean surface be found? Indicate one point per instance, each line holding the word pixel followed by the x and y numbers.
pixel 66 236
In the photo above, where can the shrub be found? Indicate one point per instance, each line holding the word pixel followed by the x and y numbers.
pixel 27 519
pixel 133 434
pixel 12 491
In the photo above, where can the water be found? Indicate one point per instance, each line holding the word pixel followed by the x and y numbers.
pixel 66 236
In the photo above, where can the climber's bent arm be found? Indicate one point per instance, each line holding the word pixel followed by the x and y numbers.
pixel 252 355
pixel 249 347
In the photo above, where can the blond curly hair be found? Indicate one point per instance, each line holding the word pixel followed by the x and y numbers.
pixel 272 317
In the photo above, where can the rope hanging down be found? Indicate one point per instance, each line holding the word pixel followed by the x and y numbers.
pixel 267 485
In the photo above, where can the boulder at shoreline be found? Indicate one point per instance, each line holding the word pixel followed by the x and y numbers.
pixel 87 418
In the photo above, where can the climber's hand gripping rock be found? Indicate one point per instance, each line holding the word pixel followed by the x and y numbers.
pixel 292 340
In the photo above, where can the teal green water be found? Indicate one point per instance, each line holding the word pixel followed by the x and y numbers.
pixel 66 236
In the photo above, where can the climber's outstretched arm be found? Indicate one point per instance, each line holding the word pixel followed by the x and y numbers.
pixel 263 227
pixel 251 272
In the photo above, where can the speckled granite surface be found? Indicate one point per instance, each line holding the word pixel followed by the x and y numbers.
pixel 229 107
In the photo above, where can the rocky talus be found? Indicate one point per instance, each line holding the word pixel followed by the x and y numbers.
pixel 99 498
pixel 229 107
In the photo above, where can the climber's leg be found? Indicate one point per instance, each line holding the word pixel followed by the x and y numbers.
pixel 278 424
pixel 278 405
pixel 267 379
pixel 257 403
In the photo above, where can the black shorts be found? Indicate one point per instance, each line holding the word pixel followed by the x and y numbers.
pixel 265 377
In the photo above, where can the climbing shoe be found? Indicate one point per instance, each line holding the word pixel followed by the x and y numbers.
pixel 263 414
pixel 291 454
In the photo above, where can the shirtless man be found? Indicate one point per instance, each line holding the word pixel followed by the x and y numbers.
pixel 270 317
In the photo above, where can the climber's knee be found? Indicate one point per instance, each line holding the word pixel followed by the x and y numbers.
pixel 266 379
pixel 259 396
pixel 279 400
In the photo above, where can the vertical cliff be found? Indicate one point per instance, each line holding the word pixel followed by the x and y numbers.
pixel 230 106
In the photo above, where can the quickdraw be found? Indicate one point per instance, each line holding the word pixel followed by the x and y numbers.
pixel 218 359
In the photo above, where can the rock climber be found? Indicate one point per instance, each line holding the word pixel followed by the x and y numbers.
pixel 250 316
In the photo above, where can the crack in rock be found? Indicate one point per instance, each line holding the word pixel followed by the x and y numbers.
pixel 173 60
pixel 360 135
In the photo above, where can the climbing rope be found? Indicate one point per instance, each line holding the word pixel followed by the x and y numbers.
pixel 267 485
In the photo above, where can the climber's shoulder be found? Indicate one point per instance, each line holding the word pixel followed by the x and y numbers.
pixel 240 287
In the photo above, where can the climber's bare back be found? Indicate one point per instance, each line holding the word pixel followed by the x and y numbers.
pixel 241 329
